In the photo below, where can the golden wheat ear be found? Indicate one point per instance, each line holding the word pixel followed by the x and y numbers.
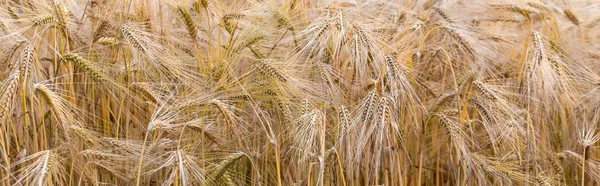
pixel 181 168
pixel 87 66
pixel 219 169
pixel 188 21
pixel 41 168
pixel 105 161
pixel 8 94
pixel 456 134
pixel 589 167
pixel 505 171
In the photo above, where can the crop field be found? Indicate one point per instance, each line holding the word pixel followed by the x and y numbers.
pixel 299 92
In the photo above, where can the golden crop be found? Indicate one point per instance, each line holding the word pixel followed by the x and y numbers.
pixel 299 92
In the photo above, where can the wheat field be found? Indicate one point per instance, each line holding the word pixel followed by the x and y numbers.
pixel 299 92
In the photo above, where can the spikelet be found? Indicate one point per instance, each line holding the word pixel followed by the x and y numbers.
pixel 207 131
pixel 41 168
pixel 12 13
pixel 2 28
pixel 147 91
pixel 269 70
pixel 189 21
pixel 26 62
pixel 464 78
pixel 449 125
pixel 307 129
pixel 442 13
pixel 383 110
pixel 61 19
pixel 48 95
pixel 442 100
pixel 324 73
pixel 220 168
pixel 571 16
pixel 131 36
pixel 320 30
pixel 83 134
pixel 344 116
pixel 572 155
pixel 369 103
pixel 10 52
pixel 592 166
pixel 250 41
pixel 306 107
pixel 514 8
pixel 100 32
pixel 538 6
pixel 453 130
pixel 42 20
pixel 390 61
pixel 197 5
pixel 402 140
pixel 362 35
pixel 61 15
pixel 458 37
pixel 118 144
pixel 227 21
pixel 158 124
pixel 593 23
pixel 182 168
pixel 483 111
pixel 450 112
pixel 543 180
pixel 284 108
pixel 503 19
pixel 226 178
pixel 556 65
pixel 8 94
pixel 282 21
pixel 556 165
pixel 223 109
pixel 484 89
pixel 204 3
pixel 96 155
pixel 107 40
pixel 499 170
pixel 257 52
pixel 539 53
pixel 86 65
